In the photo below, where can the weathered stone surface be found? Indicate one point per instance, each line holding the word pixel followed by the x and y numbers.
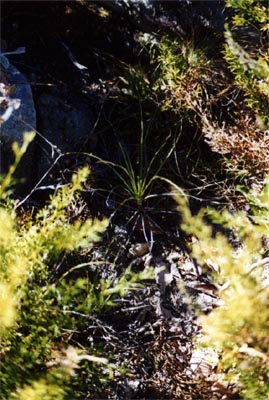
pixel 22 120
pixel 178 16
pixel 66 123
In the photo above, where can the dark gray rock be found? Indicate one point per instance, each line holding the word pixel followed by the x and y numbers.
pixel 21 120
pixel 24 118
pixel 179 16
pixel 66 125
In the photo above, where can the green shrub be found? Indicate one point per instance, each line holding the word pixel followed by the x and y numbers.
pixel 179 69
pixel 249 61
pixel 40 312
pixel 239 328
pixel 241 137
pixel 249 12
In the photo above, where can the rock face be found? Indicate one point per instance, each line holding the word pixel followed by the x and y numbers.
pixel 22 120
pixel 66 123
pixel 177 16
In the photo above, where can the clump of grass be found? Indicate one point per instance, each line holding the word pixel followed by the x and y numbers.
pixel 138 181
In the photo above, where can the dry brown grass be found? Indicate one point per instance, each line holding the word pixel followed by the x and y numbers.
pixel 244 145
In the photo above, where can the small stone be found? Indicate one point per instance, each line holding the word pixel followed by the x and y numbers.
pixel 139 249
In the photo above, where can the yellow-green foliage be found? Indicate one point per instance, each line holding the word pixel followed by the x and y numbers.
pixel 179 67
pixel 41 390
pixel 14 267
pixel 39 311
pixel 239 328
pixel 249 12
pixel 242 138
pixel 251 71
pixel 27 251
